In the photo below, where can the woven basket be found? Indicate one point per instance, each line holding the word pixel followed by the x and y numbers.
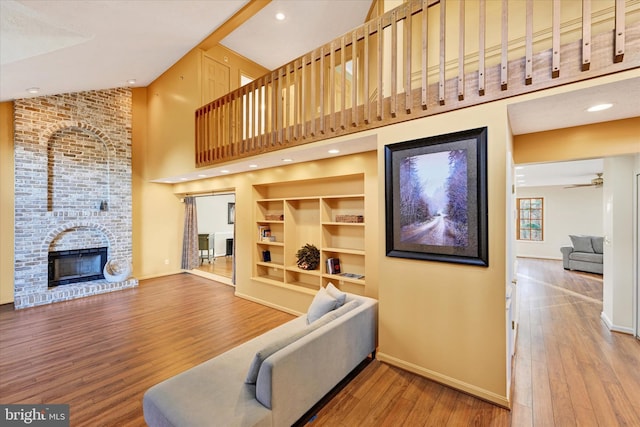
pixel 350 218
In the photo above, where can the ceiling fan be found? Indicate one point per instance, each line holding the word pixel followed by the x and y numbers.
pixel 595 182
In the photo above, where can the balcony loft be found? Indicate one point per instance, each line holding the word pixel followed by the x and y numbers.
pixel 422 58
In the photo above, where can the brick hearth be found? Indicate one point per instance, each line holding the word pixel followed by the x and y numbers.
pixel 72 187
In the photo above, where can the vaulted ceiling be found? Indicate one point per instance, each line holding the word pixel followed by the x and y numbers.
pixel 69 46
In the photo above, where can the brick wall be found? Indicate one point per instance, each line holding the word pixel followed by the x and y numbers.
pixel 72 187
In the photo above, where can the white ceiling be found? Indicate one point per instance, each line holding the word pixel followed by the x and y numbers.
pixel 570 109
pixel 69 46
pixel 308 25
pixel 560 173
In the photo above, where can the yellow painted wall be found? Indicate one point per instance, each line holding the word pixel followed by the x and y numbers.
pixel 157 212
pixel 166 148
pixel 237 65
pixel 242 184
pixel 441 320
pixel 582 142
pixel 6 202
pixel 172 100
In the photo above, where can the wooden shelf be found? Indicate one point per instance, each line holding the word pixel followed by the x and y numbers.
pixel 267 243
pixel 297 269
pixel 309 219
pixel 270 265
pixel 344 251
pixel 338 278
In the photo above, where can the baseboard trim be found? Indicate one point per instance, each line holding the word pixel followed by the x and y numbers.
pixel 615 328
pixel 540 257
pixel 268 304
pixel 462 386
pixel 153 276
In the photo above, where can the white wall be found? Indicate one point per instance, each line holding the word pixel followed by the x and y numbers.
pixel 636 255
pixel 566 211
pixel 618 283
pixel 212 213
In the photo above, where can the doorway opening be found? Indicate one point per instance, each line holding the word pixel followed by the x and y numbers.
pixel 216 236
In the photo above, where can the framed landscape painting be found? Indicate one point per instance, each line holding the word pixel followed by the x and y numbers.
pixel 436 198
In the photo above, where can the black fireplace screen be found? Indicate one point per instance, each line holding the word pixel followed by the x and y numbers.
pixel 78 265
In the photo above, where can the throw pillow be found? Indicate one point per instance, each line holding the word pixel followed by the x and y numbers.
pixel 340 296
pixel 581 243
pixel 598 244
pixel 261 355
pixel 322 303
pixel 334 314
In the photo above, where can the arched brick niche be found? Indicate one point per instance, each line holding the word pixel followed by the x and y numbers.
pixel 78 163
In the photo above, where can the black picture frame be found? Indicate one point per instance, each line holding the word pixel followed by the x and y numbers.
pixel 231 213
pixel 436 198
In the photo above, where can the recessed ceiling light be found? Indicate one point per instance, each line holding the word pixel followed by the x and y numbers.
pixel 599 107
pixel 287 160
pixel 253 166
pixel 280 16
pixel 183 179
pixel 224 171
pixel 334 151
pixel 33 90
pixel 202 175
pixel 131 81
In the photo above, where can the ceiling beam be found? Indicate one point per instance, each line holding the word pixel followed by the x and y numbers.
pixel 239 18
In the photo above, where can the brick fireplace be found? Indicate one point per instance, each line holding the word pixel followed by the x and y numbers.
pixel 72 188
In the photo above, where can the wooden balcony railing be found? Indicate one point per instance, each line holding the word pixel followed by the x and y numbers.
pixel 425 57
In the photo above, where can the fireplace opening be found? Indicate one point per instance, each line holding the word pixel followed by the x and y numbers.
pixel 78 265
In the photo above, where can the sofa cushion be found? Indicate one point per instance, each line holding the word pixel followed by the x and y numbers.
pixel 336 293
pixel 284 341
pixel 581 243
pixel 268 350
pixel 586 257
pixel 598 244
pixel 322 303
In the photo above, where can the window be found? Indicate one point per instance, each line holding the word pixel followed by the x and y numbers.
pixel 530 214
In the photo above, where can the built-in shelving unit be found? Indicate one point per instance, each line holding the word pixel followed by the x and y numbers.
pixel 333 223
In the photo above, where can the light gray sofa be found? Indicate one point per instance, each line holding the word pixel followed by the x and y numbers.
pixel 301 363
pixel 586 254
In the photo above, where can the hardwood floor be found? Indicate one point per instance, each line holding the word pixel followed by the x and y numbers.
pixel 100 354
pixel 569 368
pixel 222 266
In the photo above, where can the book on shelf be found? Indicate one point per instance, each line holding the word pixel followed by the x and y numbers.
pixel 264 233
pixel 333 265
pixel 266 256
pixel 352 275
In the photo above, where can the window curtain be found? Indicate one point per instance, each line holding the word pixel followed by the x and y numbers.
pixel 190 258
